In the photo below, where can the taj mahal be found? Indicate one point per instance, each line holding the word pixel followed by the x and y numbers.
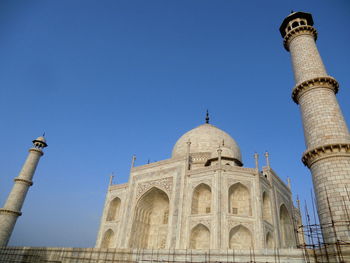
pixel 200 198
pixel 204 200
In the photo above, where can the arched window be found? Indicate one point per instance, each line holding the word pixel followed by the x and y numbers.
pixel 150 223
pixel 239 200
pixel 286 228
pixel 107 239
pixel 113 209
pixel 200 237
pixel 269 241
pixel 240 238
pixel 302 22
pixel 267 208
pixel 295 24
pixel 201 199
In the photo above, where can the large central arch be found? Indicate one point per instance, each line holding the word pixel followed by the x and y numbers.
pixel 150 224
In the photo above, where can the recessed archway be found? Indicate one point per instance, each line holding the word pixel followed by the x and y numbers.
pixel 267 207
pixel 201 199
pixel 150 223
pixel 113 209
pixel 107 239
pixel 286 228
pixel 269 241
pixel 239 200
pixel 240 238
pixel 200 237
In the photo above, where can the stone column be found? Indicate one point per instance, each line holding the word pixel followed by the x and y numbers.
pixel 326 135
pixel 12 208
pixel 219 222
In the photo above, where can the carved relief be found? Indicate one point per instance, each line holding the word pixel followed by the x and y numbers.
pixel 204 181
pixel 156 172
pixel 282 198
pixel 200 157
pixel 231 181
pixel 165 184
pixel 231 224
pixel 205 222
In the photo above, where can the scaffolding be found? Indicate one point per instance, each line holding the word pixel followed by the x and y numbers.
pixel 315 248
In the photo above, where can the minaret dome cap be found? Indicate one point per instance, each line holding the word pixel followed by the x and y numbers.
pixel 40 140
pixel 292 16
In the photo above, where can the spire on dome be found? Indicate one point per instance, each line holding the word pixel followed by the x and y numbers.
pixel 207 117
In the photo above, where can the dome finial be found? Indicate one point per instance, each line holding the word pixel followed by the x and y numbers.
pixel 207 117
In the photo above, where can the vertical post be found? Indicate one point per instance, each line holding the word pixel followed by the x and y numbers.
pixel 259 201
pixel 133 161
pixel 218 206
pixel 289 183
pixel 256 158
pixel 188 158
pixel 111 177
pixel 13 205
pixel 267 160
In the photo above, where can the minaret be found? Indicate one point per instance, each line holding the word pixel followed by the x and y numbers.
pixel 12 208
pixel 326 135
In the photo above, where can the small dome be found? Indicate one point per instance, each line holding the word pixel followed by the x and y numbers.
pixel 225 151
pixel 40 142
pixel 207 138
pixel 40 139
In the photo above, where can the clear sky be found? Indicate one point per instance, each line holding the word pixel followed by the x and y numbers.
pixel 109 79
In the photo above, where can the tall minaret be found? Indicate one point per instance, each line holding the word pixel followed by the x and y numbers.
pixel 326 135
pixel 12 208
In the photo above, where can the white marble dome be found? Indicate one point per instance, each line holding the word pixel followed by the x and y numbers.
pixel 206 138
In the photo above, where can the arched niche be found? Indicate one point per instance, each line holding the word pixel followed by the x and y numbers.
pixel 240 238
pixel 113 209
pixel 200 237
pixel 201 199
pixel 267 207
pixel 239 200
pixel 150 223
pixel 286 229
pixel 107 239
pixel 269 241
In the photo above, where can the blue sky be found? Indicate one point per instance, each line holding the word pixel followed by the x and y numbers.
pixel 109 79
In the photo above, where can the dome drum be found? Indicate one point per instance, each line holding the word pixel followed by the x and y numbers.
pixel 236 162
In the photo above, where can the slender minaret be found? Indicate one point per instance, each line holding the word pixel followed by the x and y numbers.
pixel 326 135
pixel 15 200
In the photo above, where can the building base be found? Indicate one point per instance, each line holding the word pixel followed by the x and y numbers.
pixel 98 255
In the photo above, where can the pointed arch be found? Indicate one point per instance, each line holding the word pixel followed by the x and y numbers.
pixel 200 237
pixel 107 239
pixel 150 223
pixel 239 200
pixel 269 241
pixel 201 199
pixel 113 209
pixel 240 238
pixel 267 215
pixel 286 228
